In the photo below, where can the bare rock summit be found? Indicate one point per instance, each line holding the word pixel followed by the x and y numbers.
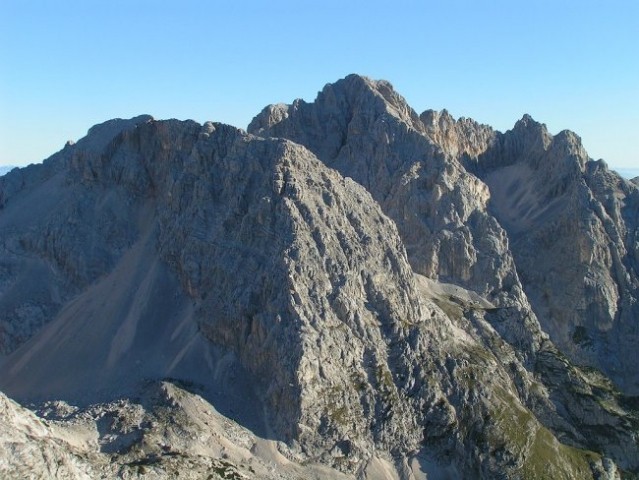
pixel 347 290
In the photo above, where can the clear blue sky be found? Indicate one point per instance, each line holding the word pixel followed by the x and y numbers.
pixel 68 64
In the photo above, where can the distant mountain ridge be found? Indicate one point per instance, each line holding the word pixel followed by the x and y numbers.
pixel 628 173
pixel 374 293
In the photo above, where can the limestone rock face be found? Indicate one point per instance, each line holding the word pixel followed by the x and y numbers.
pixel 28 448
pixel 573 229
pixel 337 282
pixel 430 174
pixel 48 219
pixel 571 225
pixel 463 138
pixel 441 210
pixel 164 432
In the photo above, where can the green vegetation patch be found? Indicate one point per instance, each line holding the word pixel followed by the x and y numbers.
pixel 544 457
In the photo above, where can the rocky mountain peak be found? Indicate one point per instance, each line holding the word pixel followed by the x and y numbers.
pixel 533 136
pixel 528 139
pixel 372 293
pixel 561 156
pixel 101 134
pixel 432 118
pixel 463 139
pixel 571 148
pixel 354 105
pixel 528 123
pixel 543 186
pixel 362 93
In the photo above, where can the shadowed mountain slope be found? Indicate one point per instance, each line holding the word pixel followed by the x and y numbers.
pixel 338 281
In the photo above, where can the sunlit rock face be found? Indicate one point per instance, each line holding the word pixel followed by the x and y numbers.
pixel 349 290
pixel 499 213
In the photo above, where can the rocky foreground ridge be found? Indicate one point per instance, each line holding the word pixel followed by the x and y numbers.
pixel 347 290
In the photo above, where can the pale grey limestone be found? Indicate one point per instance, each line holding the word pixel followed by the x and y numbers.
pixel 455 224
pixel 338 281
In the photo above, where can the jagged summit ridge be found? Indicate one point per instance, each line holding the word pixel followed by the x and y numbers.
pixel 341 104
pixel 440 193
pixel 377 323
pixel 475 169
pixel 439 208
pixel 256 243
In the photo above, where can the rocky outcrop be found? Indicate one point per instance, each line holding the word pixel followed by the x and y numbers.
pixel 164 432
pixel 464 138
pixel 252 254
pixel 80 231
pixel 29 448
pixel 431 175
pixel 573 226
pixel 439 208
pixel 335 281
